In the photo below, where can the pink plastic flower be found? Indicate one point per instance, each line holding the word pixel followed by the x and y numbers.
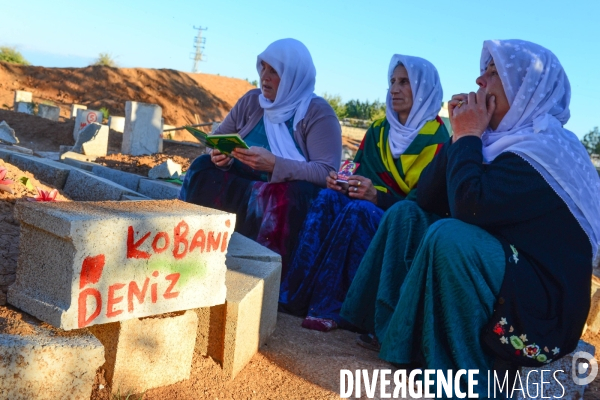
pixel 44 195
pixel 3 181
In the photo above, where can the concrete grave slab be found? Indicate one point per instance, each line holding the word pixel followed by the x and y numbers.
pixel 116 123
pixel 50 155
pixel 126 179
pixel 75 108
pixel 92 140
pixel 76 156
pixel 83 119
pixel 52 172
pixel 558 380
pixel 49 112
pixel 49 366
pixel 83 186
pixel 147 353
pixel 143 128
pixel 166 170
pixel 233 333
pixel 89 263
pixel 242 247
pixel 158 190
pixel 127 197
pixel 22 96
pixel 77 163
pixel 25 108
pixel 7 134
pixel 7 151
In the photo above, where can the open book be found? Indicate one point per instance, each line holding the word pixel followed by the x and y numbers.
pixel 224 143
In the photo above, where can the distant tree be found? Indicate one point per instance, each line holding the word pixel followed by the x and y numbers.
pixel 254 83
pixel 365 110
pixel 106 60
pixel 336 103
pixel 12 55
pixel 591 141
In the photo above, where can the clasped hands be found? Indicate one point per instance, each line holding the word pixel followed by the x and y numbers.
pixel 470 114
pixel 257 158
pixel 359 187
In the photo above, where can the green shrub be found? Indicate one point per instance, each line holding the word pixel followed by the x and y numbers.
pixel 106 60
pixel 12 55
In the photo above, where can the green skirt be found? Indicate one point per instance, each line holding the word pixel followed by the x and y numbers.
pixel 426 287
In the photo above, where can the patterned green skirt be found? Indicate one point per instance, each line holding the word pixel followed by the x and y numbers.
pixel 426 287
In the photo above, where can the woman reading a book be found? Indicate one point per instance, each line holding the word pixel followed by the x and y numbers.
pixel 494 261
pixel 294 141
pixel 343 219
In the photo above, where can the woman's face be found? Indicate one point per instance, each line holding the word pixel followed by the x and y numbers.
pixel 490 81
pixel 269 81
pixel 401 92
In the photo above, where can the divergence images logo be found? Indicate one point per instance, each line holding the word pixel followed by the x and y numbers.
pixel 582 361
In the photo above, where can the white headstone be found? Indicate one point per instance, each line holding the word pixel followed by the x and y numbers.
pixel 7 134
pixel 26 108
pixel 75 107
pixel 49 112
pixel 22 96
pixel 143 129
pixel 167 170
pixel 92 140
pixel 84 118
pixel 116 123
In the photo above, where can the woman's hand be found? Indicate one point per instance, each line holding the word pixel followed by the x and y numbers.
pixel 220 159
pixel 335 185
pixel 470 114
pixel 362 188
pixel 257 158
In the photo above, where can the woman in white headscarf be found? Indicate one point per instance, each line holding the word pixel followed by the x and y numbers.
pixel 343 220
pixel 295 141
pixel 502 278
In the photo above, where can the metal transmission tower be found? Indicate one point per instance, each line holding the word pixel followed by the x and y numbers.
pixel 199 46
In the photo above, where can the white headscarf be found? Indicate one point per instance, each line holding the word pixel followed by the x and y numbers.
pixel 427 101
pixel 294 65
pixel 539 92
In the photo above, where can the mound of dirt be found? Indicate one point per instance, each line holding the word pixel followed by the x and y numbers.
pixel 181 95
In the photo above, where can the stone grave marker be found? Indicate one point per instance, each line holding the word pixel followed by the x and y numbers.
pixel 25 108
pixel 116 123
pixel 75 108
pixel 92 140
pixel 7 134
pixel 22 96
pixel 49 112
pixel 89 263
pixel 84 118
pixel 143 129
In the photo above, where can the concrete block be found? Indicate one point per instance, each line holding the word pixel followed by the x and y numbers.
pixel 126 179
pixel 75 108
pixel 127 197
pixel 22 96
pixel 7 134
pixel 51 172
pixel 167 170
pixel 565 388
pixel 47 365
pixel 143 128
pixel 242 247
pixel 76 156
pixel 83 186
pixel 92 140
pixel 81 164
pixel 83 119
pixel 64 148
pixel 116 123
pixel 50 155
pixel 89 263
pixel 233 333
pixel 159 190
pixel 49 112
pixel 7 151
pixel 25 108
pixel 147 353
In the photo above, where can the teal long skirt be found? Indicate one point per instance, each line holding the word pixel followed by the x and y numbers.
pixel 426 287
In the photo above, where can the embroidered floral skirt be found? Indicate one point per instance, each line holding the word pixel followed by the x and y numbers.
pixel 268 213
pixel 333 241
pixel 427 287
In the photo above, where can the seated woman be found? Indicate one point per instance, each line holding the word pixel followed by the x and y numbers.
pixel 342 221
pixel 493 263
pixel 295 141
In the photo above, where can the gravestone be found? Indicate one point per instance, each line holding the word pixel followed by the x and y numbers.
pixel 75 108
pixel 49 112
pixel 143 129
pixel 84 118
pixel 22 96
pixel 92 140
pixel 89 263
pixel 7 134
pixel 25 108
pixel 116 123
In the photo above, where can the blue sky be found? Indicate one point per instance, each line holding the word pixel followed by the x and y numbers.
pixel 351 41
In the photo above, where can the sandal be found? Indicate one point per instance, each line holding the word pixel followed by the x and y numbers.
pixel 369 341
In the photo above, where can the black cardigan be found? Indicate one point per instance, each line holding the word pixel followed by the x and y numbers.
pixel 545 294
